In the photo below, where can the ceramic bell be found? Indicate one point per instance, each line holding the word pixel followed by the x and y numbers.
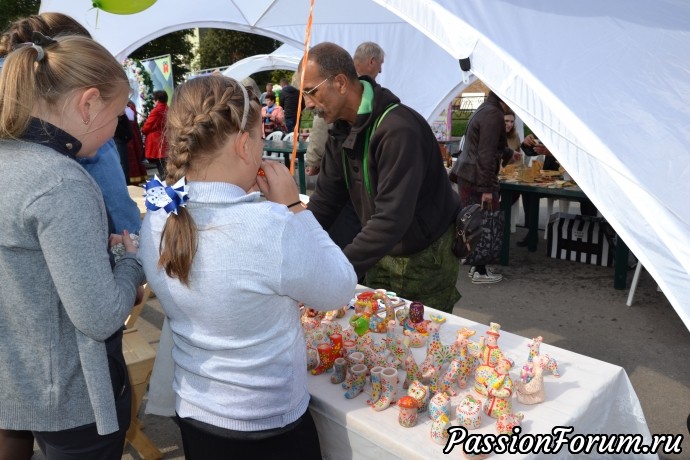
pixel 439 405
pixel 468 413
pixel 439 430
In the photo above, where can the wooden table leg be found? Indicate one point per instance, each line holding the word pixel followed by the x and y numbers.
pixel 533 222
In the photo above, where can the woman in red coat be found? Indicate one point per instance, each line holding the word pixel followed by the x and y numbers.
pixel 155 146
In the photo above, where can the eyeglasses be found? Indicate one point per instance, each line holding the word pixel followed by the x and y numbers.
pixel 312 91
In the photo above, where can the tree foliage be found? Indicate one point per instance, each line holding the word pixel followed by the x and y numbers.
pixel 221 47
pixel 11 10
pixel 177 45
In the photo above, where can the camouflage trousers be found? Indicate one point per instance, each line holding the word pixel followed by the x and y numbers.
pixel 428 276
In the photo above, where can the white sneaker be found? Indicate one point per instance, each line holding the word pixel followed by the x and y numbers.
pixel 470 273
pixel 478 278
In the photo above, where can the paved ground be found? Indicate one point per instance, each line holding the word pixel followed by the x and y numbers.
pixel 573 306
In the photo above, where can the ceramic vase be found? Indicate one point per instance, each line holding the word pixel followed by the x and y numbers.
pixel 359 372
pixel 375 376
pixel 339 370
pixel 356 357
pixel 389 389
pixel 326 358
pixel 336 344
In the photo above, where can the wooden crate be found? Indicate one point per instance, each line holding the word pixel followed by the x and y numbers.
pixel 139 356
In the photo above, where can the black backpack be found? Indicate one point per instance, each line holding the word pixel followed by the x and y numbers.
pixel 468 229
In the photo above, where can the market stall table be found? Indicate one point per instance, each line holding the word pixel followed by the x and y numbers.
pixel 591 395
pixel 285 147
pixel 535 191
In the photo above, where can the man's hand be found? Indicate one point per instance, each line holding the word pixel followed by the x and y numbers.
pixel 312 170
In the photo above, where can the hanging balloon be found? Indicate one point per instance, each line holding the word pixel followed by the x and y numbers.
pixel 123 6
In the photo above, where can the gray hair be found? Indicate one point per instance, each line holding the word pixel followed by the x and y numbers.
pixel 368 50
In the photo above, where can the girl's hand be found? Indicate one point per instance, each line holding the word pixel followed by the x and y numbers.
pixel 277 184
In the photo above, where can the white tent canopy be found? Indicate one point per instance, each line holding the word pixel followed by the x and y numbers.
pixel 346 23
pixel 602 83
pixel 285 57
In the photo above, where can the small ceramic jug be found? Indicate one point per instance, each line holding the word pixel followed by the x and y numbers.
pixel 408 411
pixel 439 404
pixel 468 413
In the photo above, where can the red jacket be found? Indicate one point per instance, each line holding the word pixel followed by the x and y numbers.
pixel 156 146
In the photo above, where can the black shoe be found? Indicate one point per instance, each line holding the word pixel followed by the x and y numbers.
pixel 522 243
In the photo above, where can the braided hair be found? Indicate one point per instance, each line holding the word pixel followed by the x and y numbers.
pixel 204 113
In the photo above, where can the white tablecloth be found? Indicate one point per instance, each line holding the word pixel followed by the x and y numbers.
pixel 591 395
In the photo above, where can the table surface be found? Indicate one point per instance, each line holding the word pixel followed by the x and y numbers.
pixel 591 395
pixel 544 188
pixel 284 146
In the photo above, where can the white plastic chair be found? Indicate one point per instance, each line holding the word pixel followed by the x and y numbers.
pixel 275 156
pixel 289 136
pixel 275 136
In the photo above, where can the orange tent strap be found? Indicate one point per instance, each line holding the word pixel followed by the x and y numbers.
pixel 295 134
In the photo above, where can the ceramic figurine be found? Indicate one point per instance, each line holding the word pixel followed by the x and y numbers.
pixel 439 404
pixel 364 300
pixel 375 377
pixel 312 358
pixel 389 389
pixel 374 353
pixel 528 370
pixel 459 367
pixel 412 371
pixel 360 323
pixel 415 321
pixel 395 345
pixel 499 390
pixel 468 413
pixel 359 372
pixel 439 430
pixel 490 353
pixel 420 392
pixel 506 422
pixel 416 339
pixel 402 314
pixel 437 354
pixel 339 370
pixel 407 416
pixel 532 392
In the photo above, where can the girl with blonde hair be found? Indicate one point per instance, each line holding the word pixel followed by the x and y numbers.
pixel 230 271
pixel 62 372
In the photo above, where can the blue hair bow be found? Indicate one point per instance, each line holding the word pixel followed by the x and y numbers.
pixel 160 195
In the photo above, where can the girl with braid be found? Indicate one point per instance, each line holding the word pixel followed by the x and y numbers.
pixel 230 291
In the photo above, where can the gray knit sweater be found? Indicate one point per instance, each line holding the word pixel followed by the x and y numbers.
pixel 59 297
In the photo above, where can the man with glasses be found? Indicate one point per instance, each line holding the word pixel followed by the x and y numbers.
pixel 383 156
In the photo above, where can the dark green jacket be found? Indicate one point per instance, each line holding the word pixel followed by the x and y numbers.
pixel 411 203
